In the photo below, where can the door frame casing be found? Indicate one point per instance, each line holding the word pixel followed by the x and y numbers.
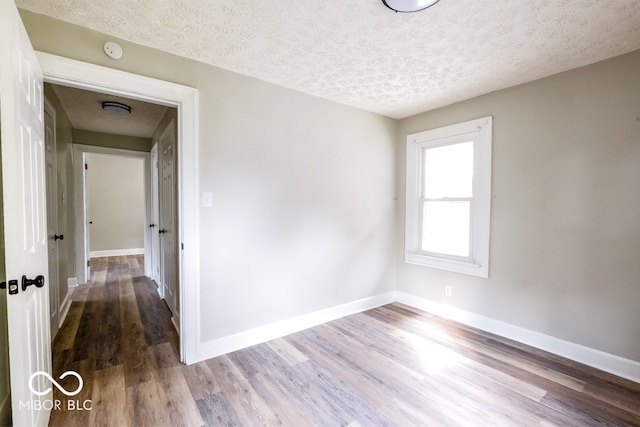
pixel 82 75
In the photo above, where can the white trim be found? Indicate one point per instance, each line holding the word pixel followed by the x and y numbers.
pixel 64 308
pixel 230 343
pixel 175 321
pixel 116 252
pixel 83 75
pixel 625 368
pixel 72 282
pixel 480 132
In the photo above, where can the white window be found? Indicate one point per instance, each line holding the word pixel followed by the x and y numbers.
pixel 449 197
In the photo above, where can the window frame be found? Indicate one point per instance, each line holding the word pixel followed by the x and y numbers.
pixel 478 131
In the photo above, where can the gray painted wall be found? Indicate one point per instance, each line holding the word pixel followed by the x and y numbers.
pixel 303 215
pixel 100 139
pixel 565 226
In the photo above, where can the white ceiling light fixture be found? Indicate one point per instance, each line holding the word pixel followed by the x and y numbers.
pixel 407 6
pixel 116 107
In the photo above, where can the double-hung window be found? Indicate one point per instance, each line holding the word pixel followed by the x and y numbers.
pixel 449 197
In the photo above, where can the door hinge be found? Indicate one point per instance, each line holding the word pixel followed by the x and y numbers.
pixel 86 166
pixel 87 263
pixel 182 246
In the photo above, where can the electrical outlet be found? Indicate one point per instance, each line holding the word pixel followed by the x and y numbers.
pixel 448 290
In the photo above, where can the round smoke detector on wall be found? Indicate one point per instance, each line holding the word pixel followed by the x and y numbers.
pixel 113 50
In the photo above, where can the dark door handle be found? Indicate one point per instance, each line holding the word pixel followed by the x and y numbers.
pixel 90 222
pixel 152 225
pixel 38 281
pixel 162 231
pixel 58 237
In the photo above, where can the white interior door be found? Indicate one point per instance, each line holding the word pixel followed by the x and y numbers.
pixel 52 216
pixel 24 211
pixel 155 221
pixel 168 229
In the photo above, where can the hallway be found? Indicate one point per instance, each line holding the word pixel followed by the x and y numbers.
pixel 118 336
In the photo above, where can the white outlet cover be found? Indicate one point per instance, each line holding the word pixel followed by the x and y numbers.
pixel 113 50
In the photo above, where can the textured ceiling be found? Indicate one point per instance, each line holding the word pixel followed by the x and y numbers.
pixel 360 53
pixel 84 109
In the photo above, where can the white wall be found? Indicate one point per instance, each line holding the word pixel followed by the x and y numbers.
pixel 116 203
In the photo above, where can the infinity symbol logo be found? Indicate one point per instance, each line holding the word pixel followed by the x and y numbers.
pixel 58 386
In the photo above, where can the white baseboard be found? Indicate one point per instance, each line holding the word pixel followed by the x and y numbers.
pixel 64 308
pixel 116 252
pixel 607 362
pixel 72 282
pixel 175 320
pixel 285 327
pixel 611 363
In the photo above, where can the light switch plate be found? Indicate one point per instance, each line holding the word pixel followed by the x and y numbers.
pixel 207 200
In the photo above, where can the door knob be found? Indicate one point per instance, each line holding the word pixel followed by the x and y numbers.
pixel 58 237
pixel 38 281
pixel 162 231
pixel 152 225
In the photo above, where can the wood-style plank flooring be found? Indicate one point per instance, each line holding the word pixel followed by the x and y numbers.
pixel 393 366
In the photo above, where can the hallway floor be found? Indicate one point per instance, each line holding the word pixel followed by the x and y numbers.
pixel 118 336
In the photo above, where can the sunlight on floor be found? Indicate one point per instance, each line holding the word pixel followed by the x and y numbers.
pixel 434 357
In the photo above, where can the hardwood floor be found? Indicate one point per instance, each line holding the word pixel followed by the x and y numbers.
pixel 393 365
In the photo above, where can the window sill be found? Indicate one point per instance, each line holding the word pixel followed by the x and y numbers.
pixel 469 268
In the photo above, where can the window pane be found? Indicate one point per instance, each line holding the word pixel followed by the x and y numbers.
pixel 445 228
pixel 448 171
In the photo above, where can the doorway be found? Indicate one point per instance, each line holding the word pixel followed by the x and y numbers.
pixel 82 75
pixel 116 204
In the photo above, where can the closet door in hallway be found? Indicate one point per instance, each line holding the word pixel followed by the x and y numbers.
pixel 168 221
